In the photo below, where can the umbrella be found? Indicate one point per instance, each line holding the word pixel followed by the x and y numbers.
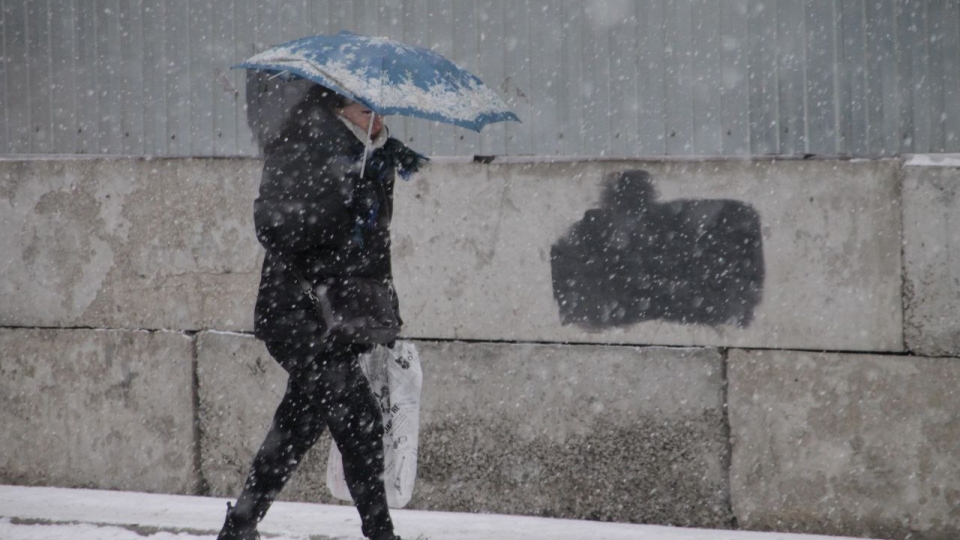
pixel 389 77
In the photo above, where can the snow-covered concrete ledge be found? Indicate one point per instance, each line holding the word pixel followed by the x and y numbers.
pixel 932 160
pixel 36 513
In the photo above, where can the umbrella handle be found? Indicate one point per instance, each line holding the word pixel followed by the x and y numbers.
pixel 366 143
pixel 373 116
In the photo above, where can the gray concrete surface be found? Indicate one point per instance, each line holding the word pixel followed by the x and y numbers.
pixel 118 243
pixel 835 443
pixel 845 444
pixel 473 250
pixel 97 408
pixel 931 253
pixel 609 433
pixel 170 244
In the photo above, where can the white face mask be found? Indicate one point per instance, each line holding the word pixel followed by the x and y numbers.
pixel 361 135
pixel 363 118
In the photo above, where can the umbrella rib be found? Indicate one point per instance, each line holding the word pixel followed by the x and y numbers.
pixel 312 64
pixel 373 116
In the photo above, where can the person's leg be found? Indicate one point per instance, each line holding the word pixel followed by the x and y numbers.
pixel 297 424
pixel 296 427
pixel 327 388
pixel 356 424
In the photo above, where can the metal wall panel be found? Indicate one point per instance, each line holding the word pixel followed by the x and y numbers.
pixel 130 17
pixel 820 55
pixel 734 100
pixel 466 37
pixel 490 18
pixel 573 90
pixel 652 127
pixel 595 56
pixel 517 81
pixel 949 40
pixel 934 21
pixel 201 74
pixel 38 54
pixel 790 80
pixel 852 90
pixel 707 78
pixel 624 77
pixel 4 118
pixel 108 84
pixel 762 79
pixel 153 40
pixel 589 78
pixel 678 77
pixel 17 81
pixel 548 39
pixel 178 45
pixel 63 23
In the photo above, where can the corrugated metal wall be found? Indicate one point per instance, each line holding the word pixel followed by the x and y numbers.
pixel 598 77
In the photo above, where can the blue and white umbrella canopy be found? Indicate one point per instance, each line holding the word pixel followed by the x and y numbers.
pixel 389 77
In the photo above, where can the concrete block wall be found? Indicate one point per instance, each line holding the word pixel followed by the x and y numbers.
pixel 830 243
pixel 845 443
pixel 134 244
pixel 811 389
pixel 931 249
pixel 108 409
pixel 612 433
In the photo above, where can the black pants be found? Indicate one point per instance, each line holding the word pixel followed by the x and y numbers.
pixel 326 388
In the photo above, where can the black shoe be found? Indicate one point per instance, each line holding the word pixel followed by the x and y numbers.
pixel 236 529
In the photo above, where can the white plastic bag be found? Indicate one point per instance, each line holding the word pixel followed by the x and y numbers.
pixel 396 379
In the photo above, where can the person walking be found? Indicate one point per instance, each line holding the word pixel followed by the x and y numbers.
pixel 323 211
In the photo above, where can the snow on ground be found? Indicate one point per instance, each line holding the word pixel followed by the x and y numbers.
pixel 38 513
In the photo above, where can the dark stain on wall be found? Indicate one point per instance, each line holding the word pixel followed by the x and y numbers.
pixel 634 259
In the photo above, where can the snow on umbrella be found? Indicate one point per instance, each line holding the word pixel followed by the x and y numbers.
pixel 389 77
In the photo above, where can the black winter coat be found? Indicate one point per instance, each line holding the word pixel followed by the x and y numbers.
pixel 315 212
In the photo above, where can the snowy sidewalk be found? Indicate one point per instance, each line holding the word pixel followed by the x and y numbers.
pixel 30 513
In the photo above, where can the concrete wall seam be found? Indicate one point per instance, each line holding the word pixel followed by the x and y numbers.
pixel 724 364
pixel 200 487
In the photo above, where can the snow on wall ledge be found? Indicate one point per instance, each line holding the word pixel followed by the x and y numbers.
pixel 932 160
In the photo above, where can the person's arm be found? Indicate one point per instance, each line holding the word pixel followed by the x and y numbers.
pixel 304 201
